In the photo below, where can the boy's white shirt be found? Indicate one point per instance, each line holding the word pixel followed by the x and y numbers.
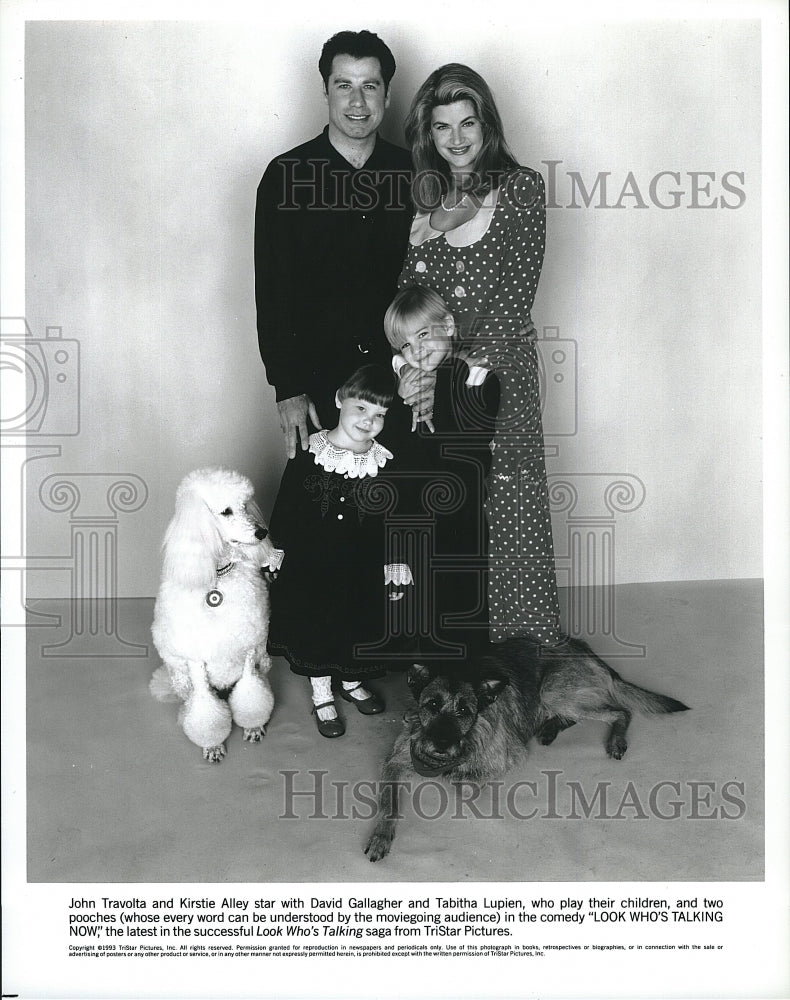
pixel 477 375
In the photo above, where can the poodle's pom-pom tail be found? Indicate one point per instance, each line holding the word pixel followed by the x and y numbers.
pixel 160 685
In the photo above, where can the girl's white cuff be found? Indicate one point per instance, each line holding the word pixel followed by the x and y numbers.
pixel 398 573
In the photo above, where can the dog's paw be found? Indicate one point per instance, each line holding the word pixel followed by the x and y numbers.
pixel 254 735
pixel 214 754
pixel 617 747
pixel 378 846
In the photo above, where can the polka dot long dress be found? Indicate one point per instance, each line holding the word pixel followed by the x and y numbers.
pixel 487 271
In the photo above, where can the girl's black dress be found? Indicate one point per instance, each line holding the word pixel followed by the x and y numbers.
pixel 329 598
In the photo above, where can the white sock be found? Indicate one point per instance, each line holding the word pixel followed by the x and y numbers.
pixel 359 693
pixel 322 691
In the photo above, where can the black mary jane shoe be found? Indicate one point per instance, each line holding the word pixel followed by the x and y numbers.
pixel 372 705
pixel 331 728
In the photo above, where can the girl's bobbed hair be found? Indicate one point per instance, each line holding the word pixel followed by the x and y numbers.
pixel 447 85
pixel 371 383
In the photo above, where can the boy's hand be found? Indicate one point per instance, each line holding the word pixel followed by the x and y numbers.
pixel 416 388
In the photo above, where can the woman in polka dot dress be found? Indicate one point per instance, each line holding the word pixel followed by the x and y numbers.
pixel 478 240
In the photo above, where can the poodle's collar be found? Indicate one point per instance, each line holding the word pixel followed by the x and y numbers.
pixel 346 462
pixel 215 597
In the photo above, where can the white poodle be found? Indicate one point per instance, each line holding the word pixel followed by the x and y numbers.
pixel 212 612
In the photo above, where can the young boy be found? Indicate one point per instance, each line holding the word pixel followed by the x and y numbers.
pixel 452 457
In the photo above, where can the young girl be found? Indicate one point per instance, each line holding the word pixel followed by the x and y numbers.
pixel 452 457
pixel 330 596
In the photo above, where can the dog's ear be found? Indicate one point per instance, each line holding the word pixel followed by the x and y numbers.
pixel 193 542
pixel 489 690
pixel 254 513
pixel 417 678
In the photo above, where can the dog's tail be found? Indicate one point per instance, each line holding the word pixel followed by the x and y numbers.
pixel 639 699
pixel 160 685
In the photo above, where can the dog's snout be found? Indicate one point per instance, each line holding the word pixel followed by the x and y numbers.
pixel 444 736
pixel 261 533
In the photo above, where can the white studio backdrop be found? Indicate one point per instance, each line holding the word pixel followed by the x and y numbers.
pixel 144 145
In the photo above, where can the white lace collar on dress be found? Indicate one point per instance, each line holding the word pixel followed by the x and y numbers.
pixel 348 463
pixel 462 236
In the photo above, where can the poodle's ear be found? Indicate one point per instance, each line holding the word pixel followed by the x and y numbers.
pixel 255 515
pixel 193 543
pixel 418 678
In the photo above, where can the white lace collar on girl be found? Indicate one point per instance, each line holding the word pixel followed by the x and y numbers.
pixel 348 463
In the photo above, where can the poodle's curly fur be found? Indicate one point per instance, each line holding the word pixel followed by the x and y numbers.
pixel 210 629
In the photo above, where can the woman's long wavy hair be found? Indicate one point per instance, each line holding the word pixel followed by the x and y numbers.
pixel 446 85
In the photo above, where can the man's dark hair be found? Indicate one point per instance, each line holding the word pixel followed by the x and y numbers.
pixel 358 45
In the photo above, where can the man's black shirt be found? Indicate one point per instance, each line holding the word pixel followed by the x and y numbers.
pixel 330 240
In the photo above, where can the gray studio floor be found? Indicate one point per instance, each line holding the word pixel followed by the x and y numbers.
pixel 116 793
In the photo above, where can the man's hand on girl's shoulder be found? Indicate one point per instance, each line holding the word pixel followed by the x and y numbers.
pixel 294 413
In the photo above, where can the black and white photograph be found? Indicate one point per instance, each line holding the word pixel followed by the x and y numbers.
pixel 394 451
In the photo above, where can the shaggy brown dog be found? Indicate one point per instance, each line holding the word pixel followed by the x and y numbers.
pixel 473 723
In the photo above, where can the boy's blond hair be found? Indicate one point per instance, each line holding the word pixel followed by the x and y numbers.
pixel 413 305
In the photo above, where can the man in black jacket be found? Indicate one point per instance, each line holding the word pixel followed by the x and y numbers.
pixel 331 226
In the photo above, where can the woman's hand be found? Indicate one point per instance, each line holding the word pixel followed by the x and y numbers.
pixel 416 388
